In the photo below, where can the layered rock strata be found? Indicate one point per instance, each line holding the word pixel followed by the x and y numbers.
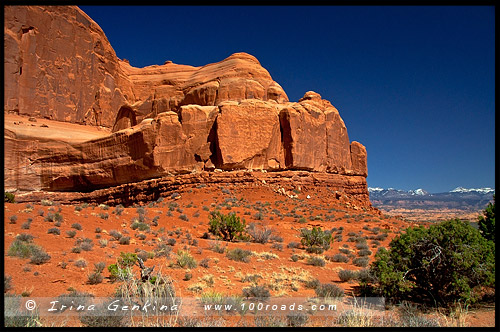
pixel 348 189
pixel 164 120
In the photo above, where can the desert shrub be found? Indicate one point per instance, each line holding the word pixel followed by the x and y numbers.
pixel 104 215
pixel 127 259
pixel 239 254
pixel 256 291
pixel 228 227
pixel 99 267
pixel 25 237
pixel 295 257
pixel 71 233
pixel 118 210
pixel 7 283
pixel 365 276
pixel 277 246
pixel 411 316
pixel 39 256
pixel 20 248
pixel 13 219
pixel 76 226
pixel 297 319
pixel 364 252
pixel 183 217
pixel 487 222
pixel 95 278
pixel 293 245
pixel 205 262
pixel 185 260
pixel 117 272
pixel 122 269
pixel 54 230
pixel 9 197
pixel 440 264
pixel 361 246
pixel 27 224
pixel 80 262
pixel 315 261
pixel 339 258
pixel 99 317
pixel 217 247
pixel 162 250
pixel 312 283
pixel 361 261
pixel 115 234
pixel 270 321
pixel 315 240
pixel 329 291
pixel 124 240
pixel 85 244
pixel 258 234
pixel 347 275
pixel 141 236
pixel 302 220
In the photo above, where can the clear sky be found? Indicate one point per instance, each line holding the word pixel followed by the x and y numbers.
pixel 414 84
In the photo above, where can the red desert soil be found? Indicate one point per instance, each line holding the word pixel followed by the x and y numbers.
pixel 185 219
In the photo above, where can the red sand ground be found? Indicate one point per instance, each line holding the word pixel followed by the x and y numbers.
pixel 60 274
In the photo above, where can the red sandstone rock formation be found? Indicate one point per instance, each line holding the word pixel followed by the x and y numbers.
pixel 166 119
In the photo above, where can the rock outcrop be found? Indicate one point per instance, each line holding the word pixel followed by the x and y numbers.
pixel 164 120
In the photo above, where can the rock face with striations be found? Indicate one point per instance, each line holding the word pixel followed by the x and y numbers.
pixel 165 119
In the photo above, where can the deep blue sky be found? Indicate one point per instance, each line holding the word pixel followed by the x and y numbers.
pixel 414 84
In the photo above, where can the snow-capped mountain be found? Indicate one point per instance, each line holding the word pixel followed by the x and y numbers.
pixel 391 192
pixel 465 190
pixel 458 198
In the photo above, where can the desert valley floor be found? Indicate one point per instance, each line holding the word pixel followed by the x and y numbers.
pixel 179 222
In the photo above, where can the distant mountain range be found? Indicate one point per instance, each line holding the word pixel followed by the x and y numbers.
pixel 459 198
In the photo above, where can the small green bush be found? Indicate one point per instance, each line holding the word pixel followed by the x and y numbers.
pixel 9 197
pixel 228 227
pixel 315 240
pixel 21 248
pixel 127 259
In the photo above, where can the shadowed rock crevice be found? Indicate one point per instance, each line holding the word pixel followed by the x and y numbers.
pixel 286 138
pixel 215 160
pixel 125 118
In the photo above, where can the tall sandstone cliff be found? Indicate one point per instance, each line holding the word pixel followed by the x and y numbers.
pixel 165 119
